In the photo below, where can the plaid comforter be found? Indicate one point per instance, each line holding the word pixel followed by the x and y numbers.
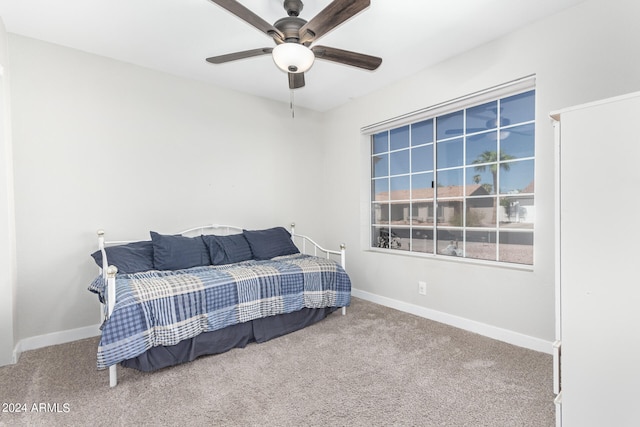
pixel 162 308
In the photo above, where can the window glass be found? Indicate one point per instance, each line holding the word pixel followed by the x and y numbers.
pixel 450 242
pixel 422 214
pixel 422 132
pixel 399 138
pixel 519 108
pixel 479 145
pixel 450 125
pixel 480 180
pixel 380 165
pixel 422 158
pixel 381 142
pixel 449 153
pixel 422 240
pixel 515 176
pixel 470 194
pixel 450 183
pixel 516 212
pixel 516 247
pixel 380 189
pixel 517 142
pixel 400 186
pixel 399 162
pixel 481 245
pixel 422 186
pixel 481 212
pixel 481 118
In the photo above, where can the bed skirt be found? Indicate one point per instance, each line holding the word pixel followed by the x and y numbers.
pixel 222 340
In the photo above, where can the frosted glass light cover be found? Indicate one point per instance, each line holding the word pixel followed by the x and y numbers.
pixel 293 57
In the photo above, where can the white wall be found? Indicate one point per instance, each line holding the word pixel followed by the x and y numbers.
pixel 585 53
pixel 104 144
pixel 7 225
pixel 170 153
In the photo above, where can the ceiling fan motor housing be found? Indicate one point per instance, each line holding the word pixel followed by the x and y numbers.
pixel 290 27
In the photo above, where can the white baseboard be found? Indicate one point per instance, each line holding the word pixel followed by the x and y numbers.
pixel 493 332
pixel 55 338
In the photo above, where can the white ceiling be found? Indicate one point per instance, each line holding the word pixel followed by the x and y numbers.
pixel 175 36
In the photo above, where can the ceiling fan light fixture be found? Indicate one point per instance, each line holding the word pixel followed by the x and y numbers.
pixel 293 57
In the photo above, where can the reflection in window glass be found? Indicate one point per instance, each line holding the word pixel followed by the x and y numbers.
pixel 468 195
pixel 519 108
pixel 422 132
pixel 400 238
pixel 515 176
pixel 380 188
pixel 517 212
pixel 481 212
pixel 481 245
pixel 449 153
pixel 380 165
pixel 518 142
pixel 516 247
pixel 422 186
pixel 399 161
pixel 400 186
pixel 381 142
pixel 422 240
pixel 422 213
pixel 450 242
pixel 479 180
pixel 399 138
pixel 450 183
pixel 422 158
pixel 483 117
pixel 400 213
pixel 479 144
pixel 450 125
pixel 450 212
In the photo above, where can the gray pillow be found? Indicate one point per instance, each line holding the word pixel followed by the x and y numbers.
pixel 270 243
pixel 228 249
pixel 178 252
pixel 129 258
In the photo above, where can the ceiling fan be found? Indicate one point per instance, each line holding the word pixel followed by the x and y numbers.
pixel 293 36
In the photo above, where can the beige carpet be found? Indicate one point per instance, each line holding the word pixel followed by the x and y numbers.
pixel 373 367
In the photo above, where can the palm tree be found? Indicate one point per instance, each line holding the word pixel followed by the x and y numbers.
pixel 490 159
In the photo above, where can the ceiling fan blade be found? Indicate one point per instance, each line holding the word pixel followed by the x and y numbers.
pixel 296 80
pixel 220 59
pixel 346 57
pixel 330 17
pixel 251 18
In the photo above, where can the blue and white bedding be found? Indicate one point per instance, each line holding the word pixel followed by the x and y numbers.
pixel 162 308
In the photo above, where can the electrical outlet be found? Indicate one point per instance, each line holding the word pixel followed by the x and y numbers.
pixel 422 288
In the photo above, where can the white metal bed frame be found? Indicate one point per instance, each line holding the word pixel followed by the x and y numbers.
pixel 109 272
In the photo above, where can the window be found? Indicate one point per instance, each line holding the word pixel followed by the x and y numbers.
pixel 459 183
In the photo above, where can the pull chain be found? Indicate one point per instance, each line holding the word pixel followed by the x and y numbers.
pixel 291 106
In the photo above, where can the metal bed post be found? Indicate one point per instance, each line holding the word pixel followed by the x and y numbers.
pixel 343 262
pixel 109 275
pixel 112 270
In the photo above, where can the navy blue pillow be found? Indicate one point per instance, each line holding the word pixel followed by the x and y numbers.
pixel 273 242
pixel 228 249
pixel 178 252
pixel 130 258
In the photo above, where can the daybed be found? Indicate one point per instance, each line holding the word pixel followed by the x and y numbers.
pixel 209 289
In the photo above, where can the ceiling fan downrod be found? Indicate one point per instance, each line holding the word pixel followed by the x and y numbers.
pixel 293 7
